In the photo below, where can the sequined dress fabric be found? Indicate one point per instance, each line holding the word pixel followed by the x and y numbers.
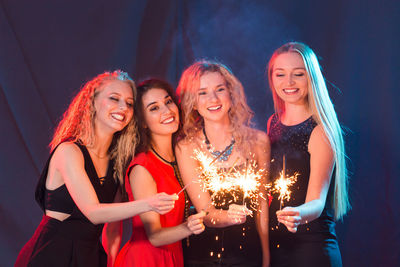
pixel 314 243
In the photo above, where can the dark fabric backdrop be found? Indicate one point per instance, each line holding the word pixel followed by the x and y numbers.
pixel 49 48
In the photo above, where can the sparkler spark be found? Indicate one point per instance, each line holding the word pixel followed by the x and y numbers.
pixel 228 186
pixel 282 184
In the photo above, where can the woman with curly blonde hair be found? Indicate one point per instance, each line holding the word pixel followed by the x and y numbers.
pixel 217 122
pixel 80 179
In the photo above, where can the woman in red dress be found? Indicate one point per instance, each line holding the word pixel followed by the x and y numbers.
pixel 156 239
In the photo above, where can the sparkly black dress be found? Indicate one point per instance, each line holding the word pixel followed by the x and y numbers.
pixel 236 245
pixel 74 241
pixel 314 243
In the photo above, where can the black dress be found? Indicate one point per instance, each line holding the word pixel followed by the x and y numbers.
pixel 314 243
pixel 235 245
pixel 74 241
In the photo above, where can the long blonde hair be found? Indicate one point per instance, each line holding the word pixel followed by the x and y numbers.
pixel 77 124
pixel 325 115
pixel 240 114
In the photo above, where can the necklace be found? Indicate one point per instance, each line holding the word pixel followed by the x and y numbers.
pixel 219 155
pixel 180 181
pixel 172 163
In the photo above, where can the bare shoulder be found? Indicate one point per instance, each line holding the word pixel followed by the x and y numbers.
pixel 260 137
pixel 318 139
pixel 68 152
pixel 318 134
pixel 182 144
pixel 140 174
pixel 184 152
pixel 260 147
pixel 187 145
pixel 66 164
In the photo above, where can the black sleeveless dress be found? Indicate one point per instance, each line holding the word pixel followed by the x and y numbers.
pixel 314 243
pixel 235 245
pixel 74 241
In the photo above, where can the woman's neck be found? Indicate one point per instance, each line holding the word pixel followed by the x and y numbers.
pixel 101 144
pixel 295 114
pixel 163 146
pixel 218 134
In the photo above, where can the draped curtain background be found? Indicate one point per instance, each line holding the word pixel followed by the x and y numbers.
pixel 48 49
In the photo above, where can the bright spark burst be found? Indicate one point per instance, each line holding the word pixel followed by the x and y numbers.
pixel 282 185
pixel 233 185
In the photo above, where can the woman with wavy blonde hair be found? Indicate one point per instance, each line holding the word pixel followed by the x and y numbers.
pixel 79 183
pixel 240 116
pixel 77 123
pixel 307 139
pixel 217 122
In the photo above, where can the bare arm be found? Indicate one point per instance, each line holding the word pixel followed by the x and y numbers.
pixel 263 155
pixel 321 165
pixel 144 186
pixel 69 163
pixel 188 168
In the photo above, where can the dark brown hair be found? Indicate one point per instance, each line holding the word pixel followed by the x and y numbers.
pixel 144 132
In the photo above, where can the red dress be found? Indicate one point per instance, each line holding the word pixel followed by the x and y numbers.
pixel 138 251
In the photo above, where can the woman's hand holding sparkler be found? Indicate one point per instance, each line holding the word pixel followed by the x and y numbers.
pixel 290 217
pixel 237 213
pixel 162 203
pixel 195 223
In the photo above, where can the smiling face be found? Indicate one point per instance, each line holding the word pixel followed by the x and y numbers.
pixel 114 106
pixel 289 78
pixel 213 98
pixel 161 115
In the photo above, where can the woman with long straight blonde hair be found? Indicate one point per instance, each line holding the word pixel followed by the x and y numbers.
pixel 307 143
pixel 92 145
pixel 217 122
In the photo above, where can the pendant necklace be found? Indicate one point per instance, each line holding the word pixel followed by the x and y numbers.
pixel 219 155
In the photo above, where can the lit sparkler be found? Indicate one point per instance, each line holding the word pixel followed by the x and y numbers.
pixel 208 163
pixel 230 185
pixel 192 182
pixel 282 184
pixel 238 184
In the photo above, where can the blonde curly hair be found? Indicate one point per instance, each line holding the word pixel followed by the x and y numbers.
pixel 77 123
pixel 240 114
